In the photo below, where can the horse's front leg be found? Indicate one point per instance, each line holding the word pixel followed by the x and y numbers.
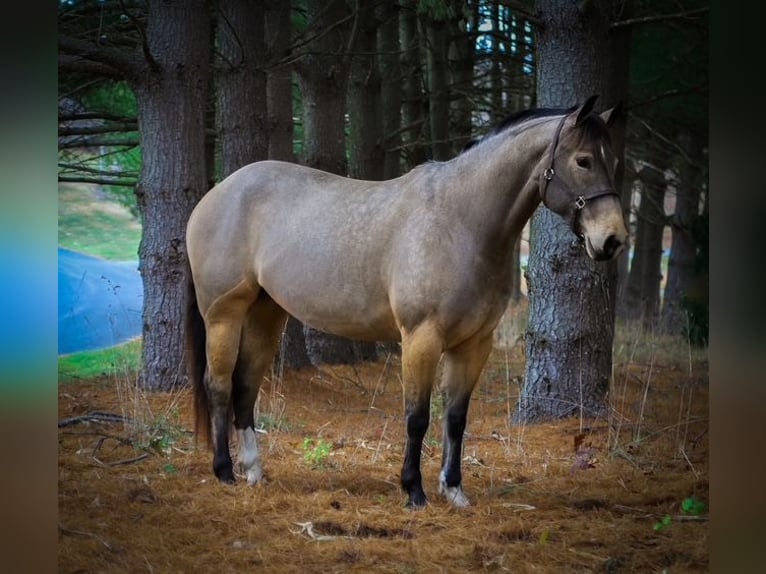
pixel 421 350
pixel 462 367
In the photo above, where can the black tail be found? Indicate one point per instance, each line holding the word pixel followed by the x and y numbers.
pixel 196 360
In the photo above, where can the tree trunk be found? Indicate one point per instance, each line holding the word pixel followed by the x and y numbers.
pixel 391 88
pixel 366 154
pixel 171 97
pixel 642 296
pixel 413 115
pixel 241 85
pixel 571 323
pixel 438 90
pixel 279 80
pixel 683 250
pixel 461 59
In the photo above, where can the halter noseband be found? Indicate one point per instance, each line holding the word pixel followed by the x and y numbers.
pixel 580 200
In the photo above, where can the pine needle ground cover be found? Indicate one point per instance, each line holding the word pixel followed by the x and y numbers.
pixel 626 493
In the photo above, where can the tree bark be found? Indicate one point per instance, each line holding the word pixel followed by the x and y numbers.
pixel 571 323
pixel 413 113
pixel 279 80
pixel 241 85
pixel 171 97
pixel 642 295
pixel 438 89
pixel 683 249
pixel 391 87
pixel 366 153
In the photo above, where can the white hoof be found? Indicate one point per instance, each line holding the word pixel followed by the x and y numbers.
pixel 454 495
pixel 249 457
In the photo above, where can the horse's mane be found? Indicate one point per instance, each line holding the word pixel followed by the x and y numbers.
pixel 516 119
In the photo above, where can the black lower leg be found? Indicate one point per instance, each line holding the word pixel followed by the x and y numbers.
pixel 220 419
pixel 412 479
pixel 454 428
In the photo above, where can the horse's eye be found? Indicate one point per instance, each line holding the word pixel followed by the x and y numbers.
pixel 583 162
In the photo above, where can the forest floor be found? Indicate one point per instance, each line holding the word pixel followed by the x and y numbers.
pixel 626 493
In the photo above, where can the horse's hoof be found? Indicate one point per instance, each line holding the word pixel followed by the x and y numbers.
pixel 416 501
pixel 454 495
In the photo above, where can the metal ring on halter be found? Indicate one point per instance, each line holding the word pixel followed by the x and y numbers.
pixel 579 202
pixel 548 173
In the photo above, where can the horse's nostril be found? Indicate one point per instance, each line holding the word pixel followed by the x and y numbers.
pixel 612 246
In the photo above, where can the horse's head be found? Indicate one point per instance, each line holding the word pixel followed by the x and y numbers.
pixel 577 181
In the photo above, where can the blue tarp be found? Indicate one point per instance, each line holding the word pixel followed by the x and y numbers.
pixel 99 302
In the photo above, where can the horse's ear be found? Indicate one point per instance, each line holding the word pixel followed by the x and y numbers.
pixel 586 109
pixel 612 115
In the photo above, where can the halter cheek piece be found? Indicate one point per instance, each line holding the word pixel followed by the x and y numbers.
pixel 580 200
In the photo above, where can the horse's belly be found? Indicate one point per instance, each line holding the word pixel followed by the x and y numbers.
pixel 328 310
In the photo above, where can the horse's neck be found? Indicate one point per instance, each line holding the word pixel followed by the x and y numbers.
pixel 493 183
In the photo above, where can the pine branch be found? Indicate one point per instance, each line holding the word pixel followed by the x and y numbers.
pixel 90 52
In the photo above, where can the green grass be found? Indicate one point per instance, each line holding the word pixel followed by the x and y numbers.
pixel 120 361
pixel 92 223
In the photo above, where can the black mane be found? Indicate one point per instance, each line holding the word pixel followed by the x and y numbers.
pixel 517 118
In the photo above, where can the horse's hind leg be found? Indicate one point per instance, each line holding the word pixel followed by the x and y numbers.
pixel 223 320
pixel 462 367
pixel 260 338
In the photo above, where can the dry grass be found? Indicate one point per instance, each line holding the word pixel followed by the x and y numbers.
pixel 546 498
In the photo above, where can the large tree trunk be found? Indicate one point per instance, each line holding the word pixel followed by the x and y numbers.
pixel 571 322
pixel 171 97
pixel 241 85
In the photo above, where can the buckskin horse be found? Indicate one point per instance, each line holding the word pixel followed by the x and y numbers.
pixel 423 259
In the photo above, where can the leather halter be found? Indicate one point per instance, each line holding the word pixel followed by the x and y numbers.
pixel 580 200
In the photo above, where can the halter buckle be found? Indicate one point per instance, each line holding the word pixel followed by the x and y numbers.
pixel 548 174
pixel 579 202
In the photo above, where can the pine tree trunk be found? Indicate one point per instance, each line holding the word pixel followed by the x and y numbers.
pixel 171 99
pixel 438 95
pixel 391 87
pixel 413 115
pixel 279 80
pixel 571 323
pixel 642 296
pixel 241 85
pixel 366 154
pixel 461 59
pixel 683 247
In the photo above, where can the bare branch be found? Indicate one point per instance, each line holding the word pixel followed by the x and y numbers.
pixel 97 180
pixel 659 17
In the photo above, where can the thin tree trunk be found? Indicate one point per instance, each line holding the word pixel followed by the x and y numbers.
pixel 683 247
pixel 171 97
pixel 461 60
pixel 571 323
pixel 642 296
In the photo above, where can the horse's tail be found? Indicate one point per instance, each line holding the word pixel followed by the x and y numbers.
pixel 196 339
